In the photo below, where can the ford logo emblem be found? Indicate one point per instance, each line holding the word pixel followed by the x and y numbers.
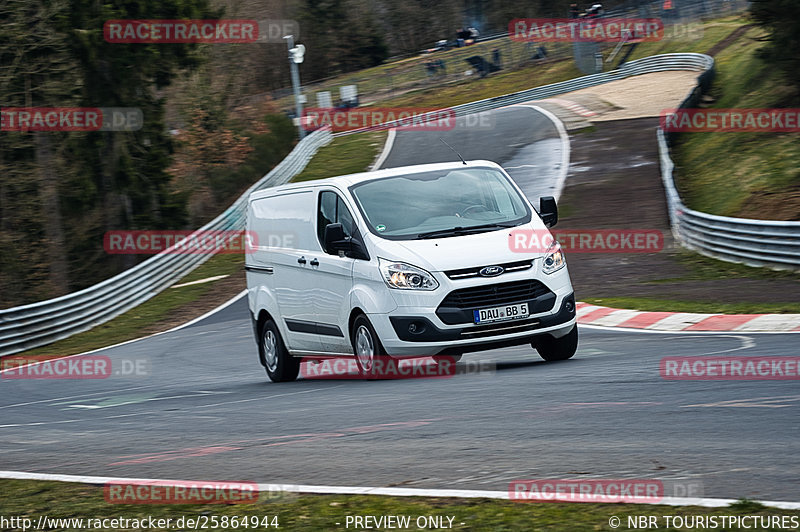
pixel 491 271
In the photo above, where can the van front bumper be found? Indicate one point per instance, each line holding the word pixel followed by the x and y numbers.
pixel 417 335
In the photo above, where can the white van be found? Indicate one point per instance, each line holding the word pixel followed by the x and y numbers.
pixel 404 262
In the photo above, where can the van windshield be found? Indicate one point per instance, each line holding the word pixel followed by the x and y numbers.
pixel 440 204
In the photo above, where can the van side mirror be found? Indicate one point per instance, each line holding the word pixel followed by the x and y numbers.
pixel 335 240
pixel 548 210
pixel 336 243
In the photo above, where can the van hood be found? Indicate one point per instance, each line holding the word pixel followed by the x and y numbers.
pixel 455 252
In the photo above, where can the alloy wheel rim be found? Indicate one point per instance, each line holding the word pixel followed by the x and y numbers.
pixel 271 350
pixel 365 350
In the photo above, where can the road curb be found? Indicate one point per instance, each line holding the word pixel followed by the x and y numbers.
pixel 685 321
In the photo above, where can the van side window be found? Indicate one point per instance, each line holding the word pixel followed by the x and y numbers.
pixel 333 210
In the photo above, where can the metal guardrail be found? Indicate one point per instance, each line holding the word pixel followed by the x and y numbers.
pixel 29 326
pixel 773 244
pixel 37 324
pixel 655 63
pixel 768 243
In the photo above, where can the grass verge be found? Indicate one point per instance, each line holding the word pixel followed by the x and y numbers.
pixel 355 153
pixel 32 499
pixel 738 173
pixel 706 268
pixel 349 154
pixel 154 314
pixel 701 268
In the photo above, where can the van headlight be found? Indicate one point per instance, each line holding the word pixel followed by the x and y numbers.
pixel 406 277
pixel 553 258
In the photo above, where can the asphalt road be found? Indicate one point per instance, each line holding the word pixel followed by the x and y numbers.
pixel 202 408
pixel 523 140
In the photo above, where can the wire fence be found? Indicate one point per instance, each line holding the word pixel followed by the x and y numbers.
pixel 450 66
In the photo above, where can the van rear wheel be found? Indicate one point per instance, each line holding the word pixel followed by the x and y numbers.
pixel 280 365
pixel 369 352
pixel 552 349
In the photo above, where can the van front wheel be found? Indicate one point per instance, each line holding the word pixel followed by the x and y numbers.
pixel 552 349
pixel 280 365
pixel 369 352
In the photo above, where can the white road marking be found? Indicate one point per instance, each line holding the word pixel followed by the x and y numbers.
pixel 40 423
pixel 679 321
pixel 586 309
pixel 146 400
pixel 616 317
pixel 200 281
pixel 179 327
pixel 81 396
pixel 747 342
pixel 755 402
pixel 387 148
pixel 565 147
pixel 261 398
pixel 394 492
pixel 678 332
pixel 771 322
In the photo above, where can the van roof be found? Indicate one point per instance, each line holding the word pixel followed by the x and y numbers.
pixel 351 179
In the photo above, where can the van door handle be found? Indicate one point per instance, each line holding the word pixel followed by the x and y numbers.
pixel 301 260
pixel 314 262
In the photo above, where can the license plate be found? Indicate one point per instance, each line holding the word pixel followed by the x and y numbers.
pixel 506 312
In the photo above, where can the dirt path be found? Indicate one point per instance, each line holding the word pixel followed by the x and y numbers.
pixel 730 39
pixel 615 182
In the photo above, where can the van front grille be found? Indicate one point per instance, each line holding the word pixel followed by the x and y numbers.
pixel 494 294
pixel 508 267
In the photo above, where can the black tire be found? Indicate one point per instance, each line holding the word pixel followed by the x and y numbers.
pixel 552 349
pixel 280 365
pixel 367 349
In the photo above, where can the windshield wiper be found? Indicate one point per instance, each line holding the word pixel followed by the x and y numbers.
pixel 462 230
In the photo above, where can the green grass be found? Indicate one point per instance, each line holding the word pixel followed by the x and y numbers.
pixel 706 268
pixel 31 499
pixel 700 268
pixel 724 173
pixel 388 80
pixel 355 153
pixel 702 307
pixel 403 83
pixel 133 323
pixel 345 155
pixel 350 154
pixel 497 84
pixel 701 40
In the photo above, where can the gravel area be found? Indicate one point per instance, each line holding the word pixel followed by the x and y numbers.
pixel 639 96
